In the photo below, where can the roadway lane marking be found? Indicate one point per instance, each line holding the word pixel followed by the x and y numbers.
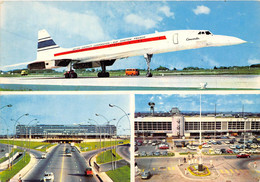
pixel 173 168
pixel 226 171
pixel 62 165
pixel 236 170
pixel 231 171
pixel 221 171
pixel 169 168
pixel 154 169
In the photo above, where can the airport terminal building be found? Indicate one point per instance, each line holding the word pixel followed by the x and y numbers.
pixel 177 125
pixel 65 131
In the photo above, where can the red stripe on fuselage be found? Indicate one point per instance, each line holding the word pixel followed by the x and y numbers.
pixel 112 45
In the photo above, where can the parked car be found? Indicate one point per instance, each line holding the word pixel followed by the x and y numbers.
pixel 146 174
pixel 236 151
pixel 143 153
pixel 223 151
pixel 206 146
pixel 163 146
pixel 232 146
pixel 243 155
pixel 165 153
pixel 227 142
pixel 219 142
pixel 145 142
pixel 157 153
pixel 217 151
pixel 136 154
pixel 229 151
pixel 151 153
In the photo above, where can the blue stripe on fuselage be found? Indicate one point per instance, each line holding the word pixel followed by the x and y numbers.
pixel 46 43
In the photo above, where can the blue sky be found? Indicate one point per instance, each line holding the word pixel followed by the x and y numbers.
pixel 224 103
pixel 64 109
pixel 79 23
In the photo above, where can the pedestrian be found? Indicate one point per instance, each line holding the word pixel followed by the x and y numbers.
pixel 184 160
pixel 192 156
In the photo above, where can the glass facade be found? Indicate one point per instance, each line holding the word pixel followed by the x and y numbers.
pixel 65 130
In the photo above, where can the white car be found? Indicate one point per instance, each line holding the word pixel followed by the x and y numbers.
pixel 227 142
pixel 232 146
pixel 206 146
pixel 218 151
pixel 48 176
pixel 136 154
pixel 150 142
pixel 145 142
pixel 43 156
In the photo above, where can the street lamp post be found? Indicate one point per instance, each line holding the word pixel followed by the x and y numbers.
pixel 108 121
pixel 245 119
pixel 99 132
pixel 14 131
pixel 200 166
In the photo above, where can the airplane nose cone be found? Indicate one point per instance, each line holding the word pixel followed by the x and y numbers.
pixel 234 41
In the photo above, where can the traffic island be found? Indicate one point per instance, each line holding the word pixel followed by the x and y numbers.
pixel 194 170
pixel 190 171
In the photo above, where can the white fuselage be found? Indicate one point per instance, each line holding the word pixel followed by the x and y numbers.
pixel 159 42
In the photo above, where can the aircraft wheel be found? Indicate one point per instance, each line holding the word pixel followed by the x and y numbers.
pixel 149 74
pixel 66 75
pixel 73 75
pixel 106 74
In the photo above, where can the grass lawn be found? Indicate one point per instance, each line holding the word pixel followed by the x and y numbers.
pixel 121 174
pixel 9 173
pixel 11 154
pixel 33 145
pixel 106 156
pixel 88 146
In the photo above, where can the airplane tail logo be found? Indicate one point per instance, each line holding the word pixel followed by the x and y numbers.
pixel 45 44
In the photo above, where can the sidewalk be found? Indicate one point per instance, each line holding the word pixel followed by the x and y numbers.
pixel 102 175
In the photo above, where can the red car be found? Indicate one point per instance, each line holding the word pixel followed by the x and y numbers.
pixel 164 147
pixel 229 151
pixel 243 155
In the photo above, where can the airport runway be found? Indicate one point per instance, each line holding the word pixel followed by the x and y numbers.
pixel 180 82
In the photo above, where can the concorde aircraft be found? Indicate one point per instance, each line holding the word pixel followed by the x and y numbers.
pixel 50 55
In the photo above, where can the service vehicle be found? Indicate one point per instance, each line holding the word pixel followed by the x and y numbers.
pixel 132 72
pixel 24 72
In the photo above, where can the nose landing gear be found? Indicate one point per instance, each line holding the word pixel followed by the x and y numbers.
pixel 148 58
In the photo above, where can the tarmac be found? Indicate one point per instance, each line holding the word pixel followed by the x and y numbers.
pixel 180 82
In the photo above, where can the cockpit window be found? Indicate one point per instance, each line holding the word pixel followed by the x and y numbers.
pixel 205 32
pixel 208 32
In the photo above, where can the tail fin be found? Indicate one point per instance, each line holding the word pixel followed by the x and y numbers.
pixel 45 45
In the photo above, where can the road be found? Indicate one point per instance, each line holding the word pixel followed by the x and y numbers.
pixel 4 149
pixel 64 168
pixel 180 82
pixel 124 151
pixel 228 167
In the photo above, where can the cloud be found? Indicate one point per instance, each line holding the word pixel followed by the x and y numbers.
pixel 201 10
pixel 166 11
pixel 138 20
pixel 246 101
pixel 253 61
pixel 210 62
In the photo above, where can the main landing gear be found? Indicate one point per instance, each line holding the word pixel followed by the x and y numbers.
pixel 148 58
pixel 103 73
pixel 70 73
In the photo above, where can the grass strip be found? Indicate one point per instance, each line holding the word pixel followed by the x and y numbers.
pixel 88 146
pixel 121 174
pixel 9 173
pixel 26 144
pixel 107 156
pixel 11 155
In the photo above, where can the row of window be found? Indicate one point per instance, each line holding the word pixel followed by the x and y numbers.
pixel 204 126
pixel 155 126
